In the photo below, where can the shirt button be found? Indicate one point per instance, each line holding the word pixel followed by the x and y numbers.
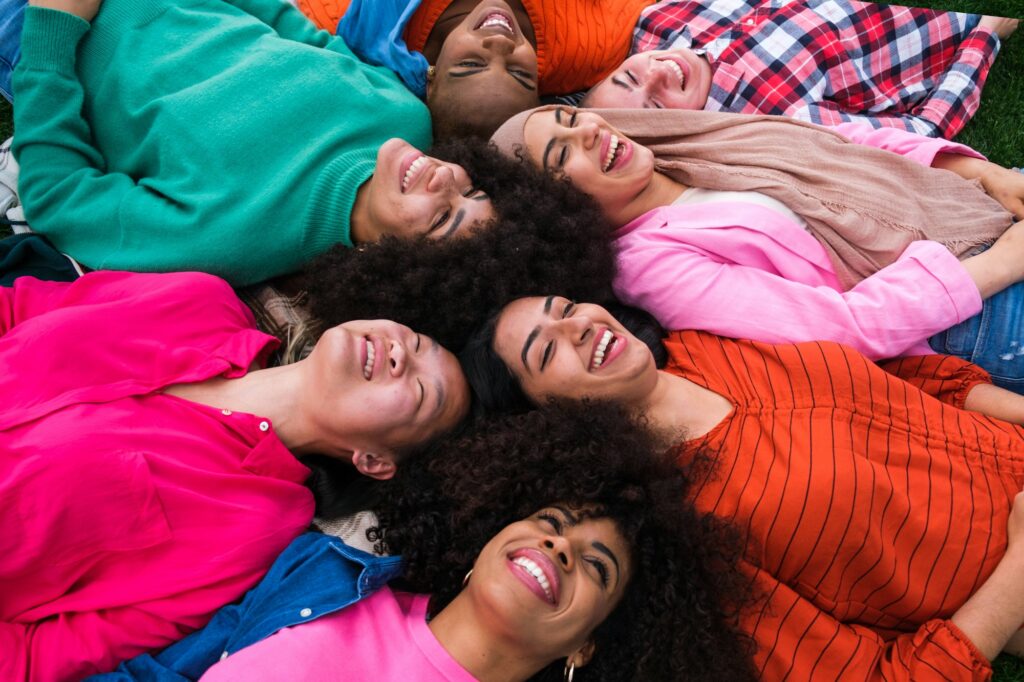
pixel 225 412
pixel 264 426
pixel 224 655
pixel 749 22
pixel 306 613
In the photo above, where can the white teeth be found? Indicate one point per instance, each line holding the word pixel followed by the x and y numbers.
pixel 612 146
pixel 533 569
pixel 416 165
pixel 678 71
pixel 497 20
pixel 602 346
pixel 368 367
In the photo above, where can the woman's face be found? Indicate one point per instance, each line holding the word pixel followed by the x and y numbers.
pixel 658 79
pixel 411 193
pixel 549 580
pixel 598 159
pixel 556 348
pixel 487 62
pixel 377 386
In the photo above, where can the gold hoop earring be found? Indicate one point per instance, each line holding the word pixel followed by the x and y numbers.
pixel 570 669
pixel 465 581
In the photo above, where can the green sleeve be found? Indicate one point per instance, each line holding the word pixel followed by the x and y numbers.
pixel 104 219
pixel 290 23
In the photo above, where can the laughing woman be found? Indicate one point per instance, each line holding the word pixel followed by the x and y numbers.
pixel 781 231
pixel 878 503
pixel 227 137
pixel 582 567
pixel 150 471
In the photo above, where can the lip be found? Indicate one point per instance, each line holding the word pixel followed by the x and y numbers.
pixel 624 156
pixel 546 565
pixel 410 158
pixel 683 65
pixel 618 344
pixel 378 350
pixel 511 30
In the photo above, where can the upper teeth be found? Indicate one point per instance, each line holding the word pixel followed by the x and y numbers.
pixel 533 569
pixel 602 345
pixel 613 145
pixel 678 71
pixel 415 166
pixel 368 367
pixel 497 20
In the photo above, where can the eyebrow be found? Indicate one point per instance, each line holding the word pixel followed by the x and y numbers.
pixel 459 215
pixel 473 72
pixel 533 335
pixel 570 518
pixel 621 83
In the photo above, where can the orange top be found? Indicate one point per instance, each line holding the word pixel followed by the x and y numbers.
pixel 874 506
pixel 579 42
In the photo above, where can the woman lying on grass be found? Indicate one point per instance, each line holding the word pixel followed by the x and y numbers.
pixel 782 231
pixel 151 471
pixel 881 507
pixel 603 580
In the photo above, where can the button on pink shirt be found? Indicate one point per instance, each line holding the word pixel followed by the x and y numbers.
pixel 130 515
pixel 384 638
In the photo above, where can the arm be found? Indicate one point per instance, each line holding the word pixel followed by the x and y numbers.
pixel 916 147
pixel 797 640
pixel 881 317
pixel 1002 184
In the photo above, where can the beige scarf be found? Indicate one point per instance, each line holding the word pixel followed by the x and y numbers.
pixel 865 205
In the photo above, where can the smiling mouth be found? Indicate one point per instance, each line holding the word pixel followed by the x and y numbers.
pixel 497 20
pixel 533 569
pixel 604 345
pixel 371 355
pixel 615 149
pixel 677 70
pixel 413 171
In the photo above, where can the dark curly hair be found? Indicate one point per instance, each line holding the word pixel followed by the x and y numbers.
pixel 547 236
pixel 678 617
pixel 496 389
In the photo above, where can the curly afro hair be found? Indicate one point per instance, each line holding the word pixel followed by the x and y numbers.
pixel 677 619
pixel 547 236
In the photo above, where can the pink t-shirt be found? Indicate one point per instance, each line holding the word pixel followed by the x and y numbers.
pixel 383 638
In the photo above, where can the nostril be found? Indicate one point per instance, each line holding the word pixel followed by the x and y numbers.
pixel 549 544
pixel 393 363
pixel 564 559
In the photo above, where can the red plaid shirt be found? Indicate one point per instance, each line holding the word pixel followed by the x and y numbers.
pixel 829 61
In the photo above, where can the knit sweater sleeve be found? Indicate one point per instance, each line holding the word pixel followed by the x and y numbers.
pixel 799 641
pixel 104 219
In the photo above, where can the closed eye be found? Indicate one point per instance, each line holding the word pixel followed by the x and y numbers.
pixel 423 392
pixel 553 521
pixel 570 307
pixel 418 339
pixel 602 570
pixel 441 220
pixel 548 352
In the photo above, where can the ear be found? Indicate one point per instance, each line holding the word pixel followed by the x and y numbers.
pixel 380 467
pixel 584 654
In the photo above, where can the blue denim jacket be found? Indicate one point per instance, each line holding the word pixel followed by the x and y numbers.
pixel 316 575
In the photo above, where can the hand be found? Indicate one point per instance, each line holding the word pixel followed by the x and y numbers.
pixel 84 9
pixel 1005 186
pixel 1001 26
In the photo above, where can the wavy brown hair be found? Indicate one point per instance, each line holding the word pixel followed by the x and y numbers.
pixel 547 236
pixel 678 617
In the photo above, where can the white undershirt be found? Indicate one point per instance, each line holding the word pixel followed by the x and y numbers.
pixel 697 195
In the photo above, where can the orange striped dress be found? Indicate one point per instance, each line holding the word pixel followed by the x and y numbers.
pixel 873 505
pixel 579 42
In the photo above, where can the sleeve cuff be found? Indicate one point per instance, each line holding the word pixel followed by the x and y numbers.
pixel 937 260
pixel 50 38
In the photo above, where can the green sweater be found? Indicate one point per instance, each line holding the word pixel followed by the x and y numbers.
pixel 223 136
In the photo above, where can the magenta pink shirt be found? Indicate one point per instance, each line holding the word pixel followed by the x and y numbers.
pixel 384 638
pixel 746 271
pixel 130 515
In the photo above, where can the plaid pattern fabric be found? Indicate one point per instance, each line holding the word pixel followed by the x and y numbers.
pixel 829 61
pixel 280 307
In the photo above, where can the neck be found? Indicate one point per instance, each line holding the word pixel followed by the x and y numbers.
pixel 660 191
pixel 475 646
pixel 360 225
pixel 274 393
pixel 681 409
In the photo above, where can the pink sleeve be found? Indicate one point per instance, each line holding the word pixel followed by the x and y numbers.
pixel 911 145
pixel 885 315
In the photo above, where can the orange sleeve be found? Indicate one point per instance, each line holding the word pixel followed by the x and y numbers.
pixel 324 13
pixel 945 377
pixel 798 641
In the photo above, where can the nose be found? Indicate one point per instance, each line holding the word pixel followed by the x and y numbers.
pixel 575 328
pixel 442 179
pixel 499 43
pixel 657 77
pixel 562 549
pixel 397 357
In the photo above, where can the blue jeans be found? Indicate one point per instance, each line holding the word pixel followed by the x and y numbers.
pixel 12 15
pixel 993 339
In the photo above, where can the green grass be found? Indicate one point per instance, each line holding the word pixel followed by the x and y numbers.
pixel 996 131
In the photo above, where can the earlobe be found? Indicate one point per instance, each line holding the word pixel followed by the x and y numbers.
pixel 584 654
pixel 380 467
